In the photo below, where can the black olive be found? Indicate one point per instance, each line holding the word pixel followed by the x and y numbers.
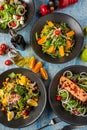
pixel 11 107
pixel 53 4
pixel 13 92
pixel 56 4
pixel 0 105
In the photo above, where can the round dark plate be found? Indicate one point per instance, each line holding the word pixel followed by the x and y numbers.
pixel 29 16
pixel 56 18
pixel 34 113
pixel 57 106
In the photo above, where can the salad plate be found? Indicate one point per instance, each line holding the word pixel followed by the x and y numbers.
pixel 15 14
pixel 72 109
pixel 49 38
pixel 34 112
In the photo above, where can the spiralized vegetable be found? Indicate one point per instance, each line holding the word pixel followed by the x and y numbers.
pixel 18 95
pixel 67 73
pixel 67 97
pixel 70 103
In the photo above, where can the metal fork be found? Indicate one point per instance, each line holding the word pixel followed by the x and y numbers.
pixel 52 122
pixel 57 120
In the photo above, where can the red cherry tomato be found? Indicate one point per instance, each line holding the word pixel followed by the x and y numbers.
pixel 12 24
pixel 58 98
pixel 8 62
pixel 1 52
pixel 18 17
pixel 3 46
pixel 26 112
pixel 57 32
pixel 44 9
pixel 25 5
pixel 1 7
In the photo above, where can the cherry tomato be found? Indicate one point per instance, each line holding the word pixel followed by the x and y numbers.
pixel 3 46
pixel 26 112
pixel 39 39
pixel 8 62
pixel 1 52
pixel 44 9
pixel 12 24
pixel 1 7
pixel 25 5
pixel 18 17
pixel 57 32
pixel 58 98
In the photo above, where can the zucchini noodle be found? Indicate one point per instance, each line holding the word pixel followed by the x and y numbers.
pixel 83 74
pixel 83 82
pixel 67 97
pixel 67 104
pixel 68 101
pixel 67 73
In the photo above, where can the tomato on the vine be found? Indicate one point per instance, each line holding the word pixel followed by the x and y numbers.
pixel 44 9
pixel 8 62
pixel 3 46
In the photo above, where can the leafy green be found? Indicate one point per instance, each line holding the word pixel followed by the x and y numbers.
pixel 63 95
pixel 73 103
pixel 20 90
pixel 9 10
pixel 21 102
pixel 12 75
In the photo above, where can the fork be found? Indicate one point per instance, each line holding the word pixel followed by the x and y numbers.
pixel 52 122
pixel 57 120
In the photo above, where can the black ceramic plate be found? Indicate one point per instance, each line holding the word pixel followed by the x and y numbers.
pixel 57 18
pixel 36 112
pixel 57 106
pixel 29 15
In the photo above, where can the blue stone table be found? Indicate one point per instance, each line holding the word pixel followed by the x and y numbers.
pixel 79 12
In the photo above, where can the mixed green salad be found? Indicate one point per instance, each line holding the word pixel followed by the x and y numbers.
pixel 56 39
pixel 12 13
pixel 18 96
pixel 70 102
